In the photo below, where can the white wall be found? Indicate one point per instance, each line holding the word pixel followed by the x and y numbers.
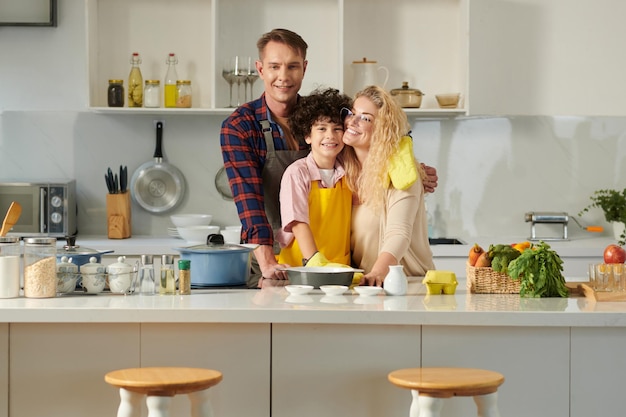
pixel 492 170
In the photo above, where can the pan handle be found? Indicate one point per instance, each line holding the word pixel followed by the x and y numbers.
pixel 158 152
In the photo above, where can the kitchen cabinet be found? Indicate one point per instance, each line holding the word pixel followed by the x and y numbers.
pixel 4 370
pixel 423 42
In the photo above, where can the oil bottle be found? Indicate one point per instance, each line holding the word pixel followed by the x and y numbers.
pixel 169 87
pixel 135 82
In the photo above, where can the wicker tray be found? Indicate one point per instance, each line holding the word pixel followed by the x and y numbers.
pixel 487 281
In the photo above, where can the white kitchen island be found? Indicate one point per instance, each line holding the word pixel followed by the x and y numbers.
pixel 313 355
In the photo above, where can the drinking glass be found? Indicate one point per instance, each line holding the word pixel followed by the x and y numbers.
pixel 603 277
pixel 240 74
pixel 619 277
pixel 228 72
pixel 253 75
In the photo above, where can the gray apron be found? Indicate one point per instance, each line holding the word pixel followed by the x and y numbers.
pixel 275 164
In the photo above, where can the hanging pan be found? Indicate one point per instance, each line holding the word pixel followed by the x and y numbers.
pixel 157 186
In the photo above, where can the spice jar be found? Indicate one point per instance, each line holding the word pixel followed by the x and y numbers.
pixel 40 275
pixel 115 93
pixel 183 93
pixel 67 275
pixel 152 94
pixel 167 284
pixel 10 251
pixel 93 276
pixel 120 276
pixel 184 277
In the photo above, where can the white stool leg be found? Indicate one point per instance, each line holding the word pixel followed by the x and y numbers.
pixel 424 406
pixel 130 404
pixel 487 405
pixel 200 404
pixel 158 406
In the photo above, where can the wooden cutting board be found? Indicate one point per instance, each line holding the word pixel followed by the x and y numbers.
pixel 601 295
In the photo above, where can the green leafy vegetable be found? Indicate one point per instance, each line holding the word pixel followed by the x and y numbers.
pixel 540 270
pixel 501 256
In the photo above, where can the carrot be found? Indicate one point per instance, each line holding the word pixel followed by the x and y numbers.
pixel 474 253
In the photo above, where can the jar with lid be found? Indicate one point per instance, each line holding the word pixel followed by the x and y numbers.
pixel 10 251
pixel 407 97
pixel 167 283
pixel 67 275
pixel 93 276
pixel 183 93
pixel 184 277
pixel 121 276
pixel 115 93
pixel 152 94
pixel 40 275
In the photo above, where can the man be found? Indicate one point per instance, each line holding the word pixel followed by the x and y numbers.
pixel 257 146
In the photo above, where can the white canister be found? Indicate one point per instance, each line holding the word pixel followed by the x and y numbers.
pixel 93 276
pixel 121 276
pixel 10 251
pixel 366 73
pixel 395 282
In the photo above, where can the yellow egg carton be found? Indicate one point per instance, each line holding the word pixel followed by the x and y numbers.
pixel 440 282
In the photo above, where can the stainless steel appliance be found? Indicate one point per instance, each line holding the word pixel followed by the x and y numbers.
pixel 48 207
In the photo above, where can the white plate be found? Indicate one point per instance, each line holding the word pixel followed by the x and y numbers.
pixel 367 291
pixel 334 289
pixel 299 289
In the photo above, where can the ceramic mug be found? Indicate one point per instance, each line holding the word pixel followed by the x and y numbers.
pixel 93 283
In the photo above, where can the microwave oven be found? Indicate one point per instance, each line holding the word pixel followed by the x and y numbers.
pixel 48 208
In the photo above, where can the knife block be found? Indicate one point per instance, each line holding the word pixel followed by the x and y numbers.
pixel 118 216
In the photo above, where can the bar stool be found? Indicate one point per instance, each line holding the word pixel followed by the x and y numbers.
pixel 159 385
pixel 429 386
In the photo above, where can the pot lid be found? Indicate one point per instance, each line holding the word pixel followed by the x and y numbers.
pixel 215 244
pixel 66 266
pixel 120 267
pixel 406 90
pixel 93 267
pixel 364 61
pixel 72 249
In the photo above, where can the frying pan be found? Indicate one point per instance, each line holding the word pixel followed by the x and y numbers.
pixel 157 186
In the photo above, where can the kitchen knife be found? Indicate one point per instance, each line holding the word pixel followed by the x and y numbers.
pixel 115 185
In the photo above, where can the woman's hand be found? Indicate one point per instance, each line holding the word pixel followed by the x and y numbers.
pixel 430 182
pixel 379 271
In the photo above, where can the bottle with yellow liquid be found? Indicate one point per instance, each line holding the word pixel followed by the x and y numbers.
pixel 135 82
pixel 169 86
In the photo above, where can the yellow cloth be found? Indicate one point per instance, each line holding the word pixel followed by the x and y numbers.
pixel 330 210
pixel 402 168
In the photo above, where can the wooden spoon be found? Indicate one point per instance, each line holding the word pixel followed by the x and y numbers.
pixel 13 215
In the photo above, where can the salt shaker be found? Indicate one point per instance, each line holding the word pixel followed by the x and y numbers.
pixel 147 285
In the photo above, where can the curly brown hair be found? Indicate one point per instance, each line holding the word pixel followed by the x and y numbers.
pixel 323 104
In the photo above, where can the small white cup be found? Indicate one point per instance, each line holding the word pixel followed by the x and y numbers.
pixel 93 283
pixel 232 236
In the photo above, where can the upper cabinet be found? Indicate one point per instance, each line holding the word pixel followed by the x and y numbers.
pixel 537 57
pixel 423 42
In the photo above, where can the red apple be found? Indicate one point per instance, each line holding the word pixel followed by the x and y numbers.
pixel 614 254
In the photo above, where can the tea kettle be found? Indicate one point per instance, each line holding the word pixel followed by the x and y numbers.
pixel 366 73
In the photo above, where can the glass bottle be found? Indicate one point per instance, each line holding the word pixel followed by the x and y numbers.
pixel 115 93
pixel 171 77
pixel 152 94
pixel 183 93
pixel 147 285
pixel 184 277
pixel 10 252
pixel 135 82
pixel 40 267
pixel 167 284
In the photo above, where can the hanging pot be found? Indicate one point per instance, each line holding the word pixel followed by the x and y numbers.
pixel 218 264
pixel 157 186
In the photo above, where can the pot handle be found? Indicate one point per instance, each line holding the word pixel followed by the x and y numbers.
pixel 215 239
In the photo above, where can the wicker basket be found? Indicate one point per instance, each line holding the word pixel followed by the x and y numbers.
pixel 488 281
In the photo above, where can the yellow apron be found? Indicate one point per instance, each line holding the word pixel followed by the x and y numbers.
pixel 330 211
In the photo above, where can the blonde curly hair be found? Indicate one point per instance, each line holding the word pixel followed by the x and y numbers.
pixel 370 181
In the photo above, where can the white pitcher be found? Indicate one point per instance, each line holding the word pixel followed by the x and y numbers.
pixel 367 73
pixel 395 282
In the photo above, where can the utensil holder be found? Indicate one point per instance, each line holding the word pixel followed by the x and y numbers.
pixel 118 216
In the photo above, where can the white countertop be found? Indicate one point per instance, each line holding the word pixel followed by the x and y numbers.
pixel 275 305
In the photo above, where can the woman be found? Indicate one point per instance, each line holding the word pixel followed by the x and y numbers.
pixel 389 225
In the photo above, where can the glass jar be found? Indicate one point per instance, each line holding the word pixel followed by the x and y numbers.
pixel 184 277
pixel 167 284
pixel 115 93
pixel 152 94
pixel 407 97
pixel 183 93
pixel 10 251
pixel 147 284
pixel 40 275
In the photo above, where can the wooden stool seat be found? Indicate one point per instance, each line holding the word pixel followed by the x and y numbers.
pixel 430 385
pixel 159 385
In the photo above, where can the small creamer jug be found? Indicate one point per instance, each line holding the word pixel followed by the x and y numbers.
pixel 366 73
pixel 395 282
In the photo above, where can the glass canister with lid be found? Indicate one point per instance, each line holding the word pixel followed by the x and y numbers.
pixel 10 251
pixel 183 93
pixel 40 274
pixel 152 94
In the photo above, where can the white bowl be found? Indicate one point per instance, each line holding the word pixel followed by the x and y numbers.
pixel 183 220
pixel 299 289
pixel 367 291
pixel 334 289
pixel 196 235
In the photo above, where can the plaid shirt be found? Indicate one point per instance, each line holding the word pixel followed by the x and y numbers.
pixel 244 153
